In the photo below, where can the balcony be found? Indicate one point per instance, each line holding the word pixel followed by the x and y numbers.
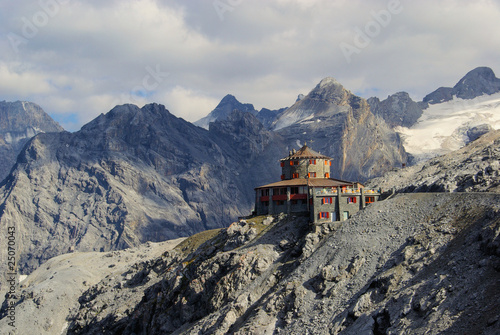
pixel 298 196
pixel 354 191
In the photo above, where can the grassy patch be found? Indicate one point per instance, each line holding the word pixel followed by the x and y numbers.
pixel 193 242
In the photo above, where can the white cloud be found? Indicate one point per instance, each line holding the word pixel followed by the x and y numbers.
pixel 193 105
pixel 90 55
pixel 17 81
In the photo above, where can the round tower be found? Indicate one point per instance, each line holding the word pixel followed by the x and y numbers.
pixel 305 163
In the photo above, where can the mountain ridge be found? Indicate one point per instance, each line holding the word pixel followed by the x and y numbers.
pixel 119 182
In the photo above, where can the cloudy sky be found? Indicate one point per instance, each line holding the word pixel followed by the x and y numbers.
pixel 78 59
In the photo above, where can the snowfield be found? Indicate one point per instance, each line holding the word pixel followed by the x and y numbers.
pixel 443 127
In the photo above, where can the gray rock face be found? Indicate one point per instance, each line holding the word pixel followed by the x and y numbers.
pixel 20 121
pixel 397 110
pixel 476 132
pixel 480 81
pixel 130 176
pixel 225 107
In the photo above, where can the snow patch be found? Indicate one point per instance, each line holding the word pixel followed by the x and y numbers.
pixel 443 127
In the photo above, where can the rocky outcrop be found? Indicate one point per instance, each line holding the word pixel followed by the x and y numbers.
pixel 20 121
pixel 397 110
pixel 474 168
pixel 480 81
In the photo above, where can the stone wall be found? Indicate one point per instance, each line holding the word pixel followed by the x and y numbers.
pixel 305 166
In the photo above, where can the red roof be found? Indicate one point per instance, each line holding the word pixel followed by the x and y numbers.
pixel 305 153
pixel 313 182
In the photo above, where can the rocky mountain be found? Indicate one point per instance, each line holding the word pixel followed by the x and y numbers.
pixel 475 83
pixel 225 107
pixel 340 124
pixel 20 121
pixel 397 110
pixel 130 176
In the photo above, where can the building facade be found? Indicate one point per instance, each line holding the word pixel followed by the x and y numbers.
pixel 306 188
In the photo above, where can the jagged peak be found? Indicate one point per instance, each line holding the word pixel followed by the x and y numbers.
pixel 229 98
pixel 328 81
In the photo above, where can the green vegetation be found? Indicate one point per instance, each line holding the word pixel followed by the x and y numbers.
pixel 193 242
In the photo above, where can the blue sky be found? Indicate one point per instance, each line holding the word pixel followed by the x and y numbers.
pixel 78 59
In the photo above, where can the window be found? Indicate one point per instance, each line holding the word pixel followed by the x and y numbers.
pixel 346 215
pixel 279 191
pixel 294 190
pixel 311 174
pixel 279 202
pixel 282 164
pixel 295 175
pixel 351 200
pixel 294 162
pixel 312 161
pixel 327 200
pixel 327 175
pixel 369 200
pixel 282 176
pixel 324 215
